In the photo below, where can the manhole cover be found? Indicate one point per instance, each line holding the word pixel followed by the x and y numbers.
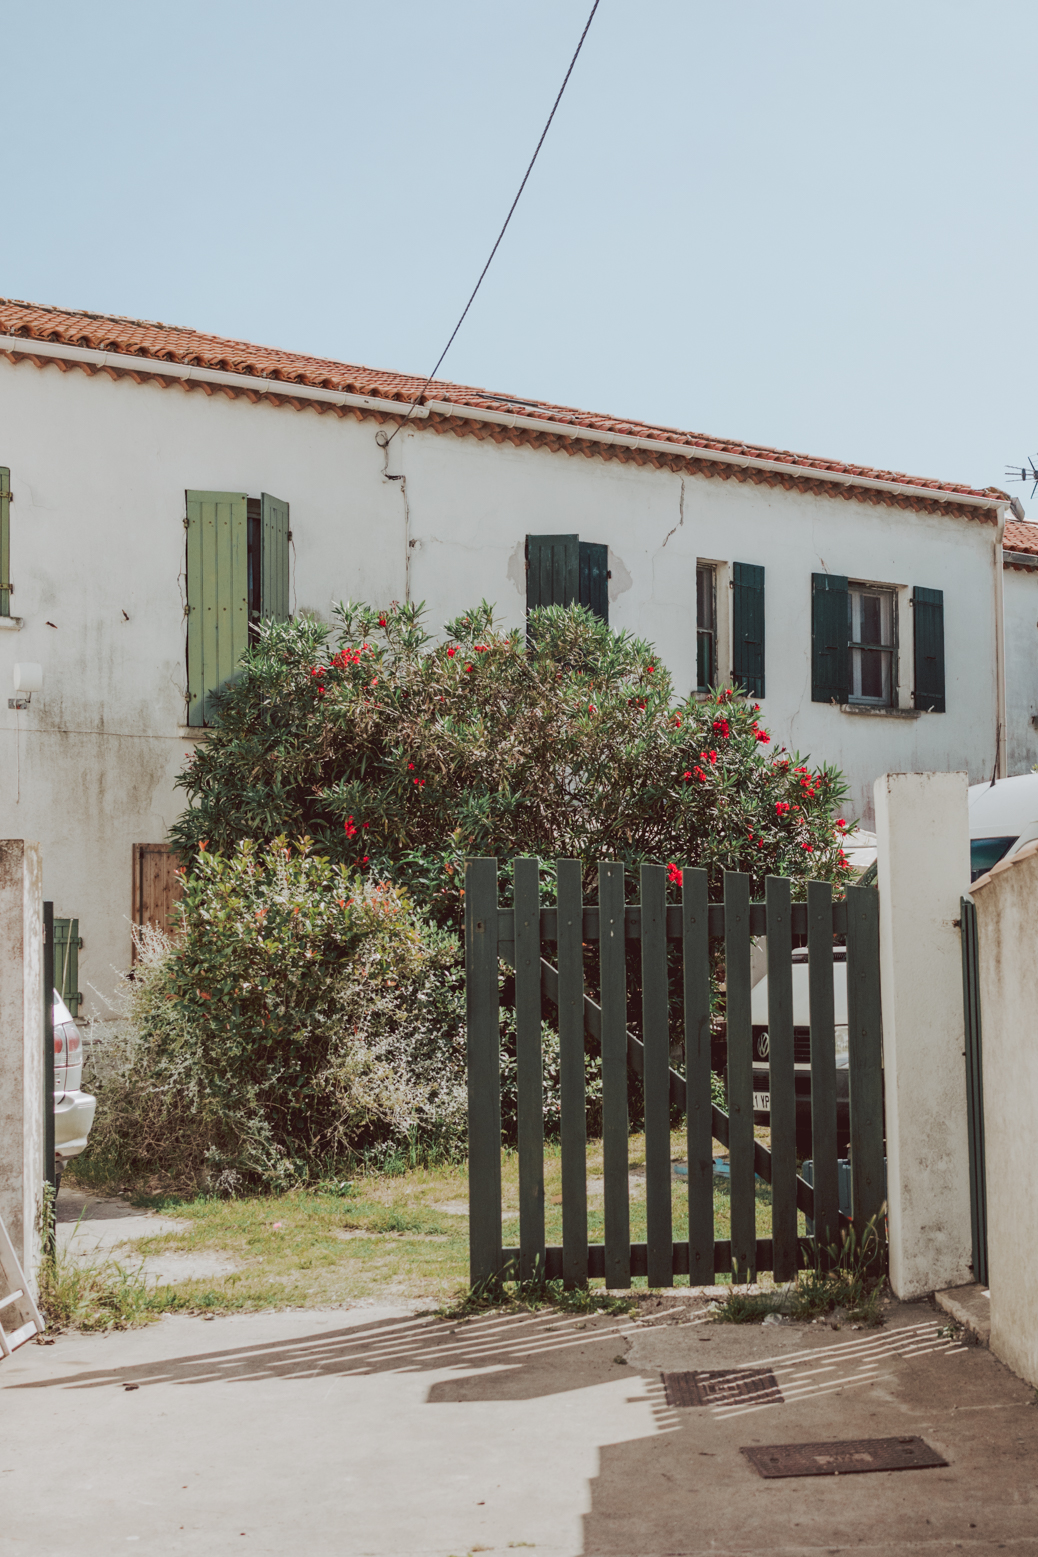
pixel 850 1457
pixel 722 1387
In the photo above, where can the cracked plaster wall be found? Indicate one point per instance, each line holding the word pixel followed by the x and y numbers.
pixel 99 469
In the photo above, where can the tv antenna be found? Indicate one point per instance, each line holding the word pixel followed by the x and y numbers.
pixel 1022 473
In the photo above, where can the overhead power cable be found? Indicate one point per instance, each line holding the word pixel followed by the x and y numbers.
pixel 511 211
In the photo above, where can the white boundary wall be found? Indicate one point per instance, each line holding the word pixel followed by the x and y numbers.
pixel 21 1046
pixel 924 868
pixel 1007 928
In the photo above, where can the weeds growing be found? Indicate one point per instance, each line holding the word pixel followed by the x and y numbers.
pixel 529 1296
pixel 848 1280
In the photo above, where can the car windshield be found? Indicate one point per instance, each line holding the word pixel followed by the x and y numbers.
pixel 985 852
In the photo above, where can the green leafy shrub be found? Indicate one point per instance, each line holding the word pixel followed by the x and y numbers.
pixel 301 1017
pixel 399 757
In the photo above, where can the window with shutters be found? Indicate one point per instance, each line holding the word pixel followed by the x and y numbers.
pixel 237 576
pixel 563 570
pixel 871 627
pixel 67 946
pixel 5 541
pixel 706 626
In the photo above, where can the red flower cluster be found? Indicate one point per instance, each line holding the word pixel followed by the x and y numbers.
pixel 451 653
pixel 673 875
pixel 762 735
pixel 781 807
pixel 349 827
pixel 721 726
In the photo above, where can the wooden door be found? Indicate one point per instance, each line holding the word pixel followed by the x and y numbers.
pixel 157 886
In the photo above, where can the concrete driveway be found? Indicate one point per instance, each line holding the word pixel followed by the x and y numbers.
pixel 377 1431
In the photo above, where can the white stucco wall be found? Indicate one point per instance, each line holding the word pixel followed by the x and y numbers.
pixel 98 471
pixel 1021 631
pixel 1007 912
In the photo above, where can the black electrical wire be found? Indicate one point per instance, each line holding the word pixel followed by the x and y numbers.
pixel 417 400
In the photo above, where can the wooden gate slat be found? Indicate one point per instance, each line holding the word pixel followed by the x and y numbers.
pixel 529 1067
pixel 484 1070
pixel 781 1079
pixel 698 1099
pixel 612 951
pixel 740 1073
pixel 868 1174
pixel 823 1068
pixel 572 1083
pixel 656 1044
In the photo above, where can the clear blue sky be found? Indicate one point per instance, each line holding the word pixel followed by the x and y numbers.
pixel 809 224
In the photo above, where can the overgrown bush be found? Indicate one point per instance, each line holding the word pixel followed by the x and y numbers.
pixel 399 757
pixel 301 1017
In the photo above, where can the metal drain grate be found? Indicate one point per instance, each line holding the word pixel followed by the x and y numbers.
pixel 722 1387
pixel 851 1457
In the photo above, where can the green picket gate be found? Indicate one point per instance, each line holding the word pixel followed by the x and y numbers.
pixel 545 946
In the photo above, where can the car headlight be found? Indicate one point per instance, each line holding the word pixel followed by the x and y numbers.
pixel 842 1045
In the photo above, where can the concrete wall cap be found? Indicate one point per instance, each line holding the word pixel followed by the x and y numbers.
pixel 1025 853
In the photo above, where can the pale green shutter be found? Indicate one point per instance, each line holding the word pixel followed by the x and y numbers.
pixel 67 946
pixel 273 559
pixel 5 541
pixel 217 595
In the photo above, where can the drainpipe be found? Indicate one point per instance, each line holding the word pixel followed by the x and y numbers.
pixel 1001 732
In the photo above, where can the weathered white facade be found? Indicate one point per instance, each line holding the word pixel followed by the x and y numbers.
pixel 1020 589
pixel 99 463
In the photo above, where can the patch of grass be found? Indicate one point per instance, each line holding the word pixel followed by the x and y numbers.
pixel 399 1234
pixel 99 1295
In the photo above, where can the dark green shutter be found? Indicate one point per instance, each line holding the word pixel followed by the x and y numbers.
pixel 217 595
pixel 66 963
pixel 928 609
pixel 748 627
pixel 594 576
pixel 830 660
pixel 5 541
pixel 273 559
pixel 552 570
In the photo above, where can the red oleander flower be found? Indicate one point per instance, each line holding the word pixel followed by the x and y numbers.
pixel 451 653
pixel 808 848
pixel 722 727
pixel 673 874
pixel 763 737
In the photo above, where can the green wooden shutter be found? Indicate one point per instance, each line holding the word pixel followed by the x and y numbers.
pixel 273 559
pixel 748 627
pixel 552 570
pixel 928 609
pixel 66 963
pixel 594 576
pixel 5 541
pixel 217 595
pixel 830 660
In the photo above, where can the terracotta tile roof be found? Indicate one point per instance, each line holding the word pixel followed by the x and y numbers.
pixel 173 344
pixel 1020 536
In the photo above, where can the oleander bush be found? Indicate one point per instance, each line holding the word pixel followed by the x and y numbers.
pixel 398 756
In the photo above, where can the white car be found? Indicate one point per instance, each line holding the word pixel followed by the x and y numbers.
pixel 1003 817
pixel 73 1109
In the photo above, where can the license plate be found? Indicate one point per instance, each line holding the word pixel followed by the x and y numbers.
pixel 762 1102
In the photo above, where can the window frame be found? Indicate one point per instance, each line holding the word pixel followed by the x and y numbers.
pixel 859 587
pixel 707 569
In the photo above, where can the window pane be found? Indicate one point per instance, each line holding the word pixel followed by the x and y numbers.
pixel 705 598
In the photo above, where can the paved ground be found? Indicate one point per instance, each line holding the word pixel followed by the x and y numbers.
pixel 373 1431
